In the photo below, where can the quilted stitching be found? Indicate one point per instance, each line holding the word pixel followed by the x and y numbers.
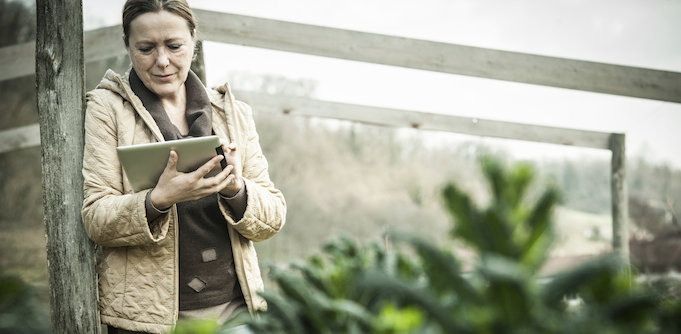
pixel 137 263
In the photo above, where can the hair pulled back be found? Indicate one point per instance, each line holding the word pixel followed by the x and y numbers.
pixel 135 8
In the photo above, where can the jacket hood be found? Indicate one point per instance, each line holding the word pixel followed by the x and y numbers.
pixel 116 83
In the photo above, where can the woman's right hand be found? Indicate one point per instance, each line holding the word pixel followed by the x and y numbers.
pixel 175 187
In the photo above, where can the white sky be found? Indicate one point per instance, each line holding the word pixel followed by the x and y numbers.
pixel 641 33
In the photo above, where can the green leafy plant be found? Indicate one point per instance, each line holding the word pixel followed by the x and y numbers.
pixel 504 293
pixel 421 288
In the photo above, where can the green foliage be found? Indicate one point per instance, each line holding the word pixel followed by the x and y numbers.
pixel 207 326
pixel 393 320
pixel 323 297
pixel 21 311
pixel 423 289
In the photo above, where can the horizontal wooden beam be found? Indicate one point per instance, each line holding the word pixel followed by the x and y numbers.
pixel 20 137
pixel 29 136
pixel 440 57
pixel 292 105
pixel 103 43
pixel 19 60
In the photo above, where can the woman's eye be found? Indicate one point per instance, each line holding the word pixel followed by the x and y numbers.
pixel 145 50
pixel 174 46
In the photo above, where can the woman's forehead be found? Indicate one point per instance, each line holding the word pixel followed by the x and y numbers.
pixel 162 25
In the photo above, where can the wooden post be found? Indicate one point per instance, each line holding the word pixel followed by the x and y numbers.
pixel 198 66
pixel 60 82
pixel 620 197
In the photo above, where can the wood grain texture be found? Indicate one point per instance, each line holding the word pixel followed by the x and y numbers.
pixel 425 121
pixel 391 50
pixel 104 43
pixel 293 105
pixel 60 82
pixel 620 195
pixel 20 137
pixel 441 57
pixel 19 60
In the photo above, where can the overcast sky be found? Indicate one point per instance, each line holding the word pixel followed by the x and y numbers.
pixel 641 33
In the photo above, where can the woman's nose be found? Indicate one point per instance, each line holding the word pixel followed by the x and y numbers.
pixel 162 58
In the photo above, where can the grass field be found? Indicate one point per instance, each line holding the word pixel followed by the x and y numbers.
pixel 581 233
pixel 23 254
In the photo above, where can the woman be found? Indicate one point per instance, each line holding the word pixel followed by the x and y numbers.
pixel 183 248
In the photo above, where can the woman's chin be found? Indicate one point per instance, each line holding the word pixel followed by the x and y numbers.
pixel 164 91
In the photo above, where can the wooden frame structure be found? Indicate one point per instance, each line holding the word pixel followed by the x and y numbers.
pixel 58 56
pixel 60 86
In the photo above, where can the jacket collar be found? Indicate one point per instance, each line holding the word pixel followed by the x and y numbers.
pixel 223 121
pixel 113 82
pixel 220 98
pixel 198 110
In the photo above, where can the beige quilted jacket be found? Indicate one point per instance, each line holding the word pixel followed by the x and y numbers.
pixel 138 262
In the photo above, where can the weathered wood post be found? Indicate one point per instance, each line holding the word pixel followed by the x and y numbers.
pixel 620 197
pixel 60 82
pixel 198 66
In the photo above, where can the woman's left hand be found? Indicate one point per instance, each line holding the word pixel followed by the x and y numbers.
pixel 233 158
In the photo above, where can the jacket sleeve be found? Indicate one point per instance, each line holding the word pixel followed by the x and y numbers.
pixel 111 217
pixel 265 211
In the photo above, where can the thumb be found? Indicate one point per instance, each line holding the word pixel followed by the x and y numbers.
pixel 172 161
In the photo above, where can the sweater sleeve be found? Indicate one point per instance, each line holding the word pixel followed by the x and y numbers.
pixel 112 218
pixel 237 202
pixel 151 211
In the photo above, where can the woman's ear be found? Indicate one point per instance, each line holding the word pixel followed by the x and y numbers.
pixel 195 43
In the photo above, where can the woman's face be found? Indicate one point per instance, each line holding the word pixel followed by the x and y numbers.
pixel 161 49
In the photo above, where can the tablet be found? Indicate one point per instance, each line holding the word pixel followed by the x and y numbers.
pixel 144 163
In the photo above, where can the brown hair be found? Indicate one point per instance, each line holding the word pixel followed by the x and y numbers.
pixel 135 8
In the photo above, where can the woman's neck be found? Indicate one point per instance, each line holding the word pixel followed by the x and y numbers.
pixel 176 107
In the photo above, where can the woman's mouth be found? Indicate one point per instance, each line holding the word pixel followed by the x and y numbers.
pixel 163 77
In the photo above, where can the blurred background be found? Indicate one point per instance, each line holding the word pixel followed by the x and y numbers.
pixel 342 177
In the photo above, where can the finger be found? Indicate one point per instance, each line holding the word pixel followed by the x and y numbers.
pixel 232 146
pixel 172 161
pixel 207 167
pixel 228 181
pixel 217 182
pixel 224 173
pixel 226 150
pixel 225 146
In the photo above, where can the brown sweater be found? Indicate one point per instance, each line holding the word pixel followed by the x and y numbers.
pixel 207 273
